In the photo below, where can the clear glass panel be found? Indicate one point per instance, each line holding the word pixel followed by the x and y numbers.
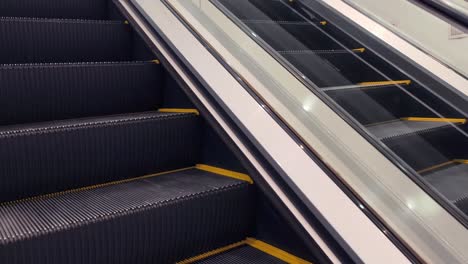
pixel 427 133
pixel 313 74
pixel 440 37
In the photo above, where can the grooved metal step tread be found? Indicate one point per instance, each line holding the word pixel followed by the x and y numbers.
pixel 54 156
pixel 249 250
pixel 155 219
pixel 85 9
pixel 402 127
pixel 242 255
pixel 27 40
pixel 451 181
pixel 54 91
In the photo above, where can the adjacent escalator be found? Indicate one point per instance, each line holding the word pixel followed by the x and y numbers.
pixel 427 132
pixel 104 159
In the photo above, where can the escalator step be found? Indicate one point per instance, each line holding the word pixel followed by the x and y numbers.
pixel 321 72
pixel 399 128
pixel 451 180
pixel 246 251
pixel 83 9
pixel 156 219
pixel 45 92
pixel 55 156
pixel 261 10
pixel 56 40
pixel 242 255
pixel 425 148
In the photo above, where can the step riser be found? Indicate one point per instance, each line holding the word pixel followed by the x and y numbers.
pixel 47 92
pixel 61 159
pixel 83 9
pixel 34 41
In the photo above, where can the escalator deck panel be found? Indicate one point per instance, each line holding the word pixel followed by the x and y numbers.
pixel 156 219
pixel 26 40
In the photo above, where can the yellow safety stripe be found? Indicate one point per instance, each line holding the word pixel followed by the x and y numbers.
pixel 126 22
pixel 156 61
pixel 401 82
pixel 260 245
pixel 179 110
pixel 95 186
pixel 211 253
pixel 275 252
pixel 435 119
pixel 461 161
pixel 323 23
pixel 227 173
pixel 361 50
pixel 436 166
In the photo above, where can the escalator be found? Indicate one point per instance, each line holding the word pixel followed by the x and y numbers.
pixel 422 131
pixel 104 159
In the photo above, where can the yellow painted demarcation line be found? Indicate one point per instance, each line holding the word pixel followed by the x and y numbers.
pixel 260 245
pixel 361 50
pixel 227 173
pixel 179 110
pixel 438 166
pixel 400 82
pixel 435 119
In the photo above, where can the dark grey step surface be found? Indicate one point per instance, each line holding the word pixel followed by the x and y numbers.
pixel 28 40
pixel 157 219
pixel 451 181
pixel 84 9
pixel 402 127
pixel 44 92
pixel 55 156
pixel 242 255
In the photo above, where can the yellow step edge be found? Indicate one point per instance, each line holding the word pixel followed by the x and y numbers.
pixel 257 244
pixel 126 22
pixel 212 253
pixel 434 119
pixel 323 23
pixel 461 161
pixel 361 50
pixel 179 110
pixel 227 173
pixel 275 252
pixel 50 195
pixel 156 61
pixel 400 82
pixel 435 167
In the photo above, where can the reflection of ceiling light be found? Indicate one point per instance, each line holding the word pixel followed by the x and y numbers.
pixel 308 104
pixel 410 205
pixel 424 204
pixel 253 34
pixel 361 206
pixel 307 107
